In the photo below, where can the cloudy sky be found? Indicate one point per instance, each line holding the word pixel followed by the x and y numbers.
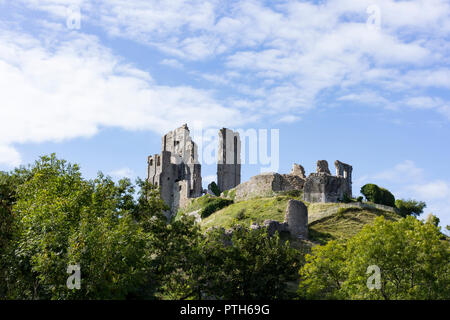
pixel 365 82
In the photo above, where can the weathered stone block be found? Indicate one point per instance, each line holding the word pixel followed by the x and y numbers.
pixel 322 167
pixel 296 219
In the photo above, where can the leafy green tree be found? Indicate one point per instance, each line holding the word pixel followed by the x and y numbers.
pixel 410 207
pixel 250 265
pixel 9 184
pixel 62 219
pixel 412 259
pixel 378 195
pixel 253 266
pixel 324 272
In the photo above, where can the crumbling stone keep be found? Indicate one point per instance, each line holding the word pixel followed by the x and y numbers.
pixel 229 160
pixel 176 170
pixel 323 187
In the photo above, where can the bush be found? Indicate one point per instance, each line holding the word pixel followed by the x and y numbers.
pixel 346 198
pixel 241 214
pixel 214 205
pixel 359 199
pixel 214 188
pixel 292 193
pixel 410 207
pixel 378 195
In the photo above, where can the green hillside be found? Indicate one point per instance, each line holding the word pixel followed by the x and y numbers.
pixel 328 221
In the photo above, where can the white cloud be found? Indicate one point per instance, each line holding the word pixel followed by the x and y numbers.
pixel 71 88
pixel 432 190
pixel 289 119
pixel 9 156
pixel 293 50
pixel 405 172
pixel 172 63
pixel 123 173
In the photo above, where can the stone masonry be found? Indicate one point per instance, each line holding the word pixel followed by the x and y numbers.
pixel 229 160
pixel 176 170
pixel 323 187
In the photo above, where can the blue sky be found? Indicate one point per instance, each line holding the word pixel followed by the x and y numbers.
pixel 364 82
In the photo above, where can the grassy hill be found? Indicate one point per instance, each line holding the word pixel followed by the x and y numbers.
pixel 328 221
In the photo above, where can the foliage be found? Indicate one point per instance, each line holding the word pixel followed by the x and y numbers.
pixel 413 262
pixel 60 219
pixel 378 195
pixel 410 207
pixel 214 205
pixel 346 198
pixel 292 193
pixel 254 266
pixel 214 188
pixel 240 215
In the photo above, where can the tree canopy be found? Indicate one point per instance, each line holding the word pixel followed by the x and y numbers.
pixel 413 261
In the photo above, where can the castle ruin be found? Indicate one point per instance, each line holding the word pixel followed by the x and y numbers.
pixel 321 186
pixel 177 172
pixel 229 160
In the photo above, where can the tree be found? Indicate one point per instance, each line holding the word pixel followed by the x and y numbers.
pixel 412 259
pixel 9 184
pixel 249 265
pixel 63 219
pixel 410 207
pixel 252 266
pixel 378 195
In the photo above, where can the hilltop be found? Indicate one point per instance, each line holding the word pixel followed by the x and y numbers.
pixel 326 221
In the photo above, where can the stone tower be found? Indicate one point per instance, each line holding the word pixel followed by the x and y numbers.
pixel 229 160
pixel 176 171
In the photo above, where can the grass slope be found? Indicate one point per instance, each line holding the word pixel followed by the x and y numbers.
pixel 345 223
pixel 245 212
pixel 342 223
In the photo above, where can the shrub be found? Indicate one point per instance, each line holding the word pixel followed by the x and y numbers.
pixel 378 195
pixel 292 193
pixel 346 198
pixel 359 199
pixel 214 205
pixel 214 188
pixel 410 207
pixel 241 214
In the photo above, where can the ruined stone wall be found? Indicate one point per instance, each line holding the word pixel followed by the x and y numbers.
pixel 323 187
pixel 266 184
pixel 229 160
pixel 176 170
pixel 344 170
